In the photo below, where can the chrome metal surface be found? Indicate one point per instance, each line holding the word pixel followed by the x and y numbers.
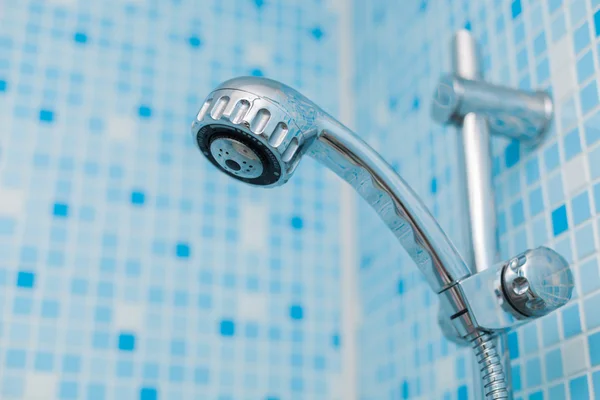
pixel 325 139
pixel 512 113
pixel 236 157
pixel 528 286
pixel 537 282
pixel 494 384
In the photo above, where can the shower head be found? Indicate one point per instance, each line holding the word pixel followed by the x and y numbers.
pixel 255 129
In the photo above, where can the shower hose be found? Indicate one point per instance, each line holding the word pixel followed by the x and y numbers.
pixel 490 366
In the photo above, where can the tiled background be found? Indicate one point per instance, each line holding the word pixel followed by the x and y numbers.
pixel 129 267
pixel 549 195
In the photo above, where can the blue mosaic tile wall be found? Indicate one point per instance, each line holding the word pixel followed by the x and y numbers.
pixel 546 196
pixel 129 267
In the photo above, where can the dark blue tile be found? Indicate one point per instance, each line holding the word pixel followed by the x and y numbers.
pixel 559 220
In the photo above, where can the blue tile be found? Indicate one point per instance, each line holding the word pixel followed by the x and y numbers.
pixel 297 223
pixel 578 388
pixel 578 11
pixel 517 213
pixel 551 157
pixel 539 44
pixel 25 279
pixel 195 41
pixel 80 37
pixel 61 210
pixel 596 383
pixel 592 129
pixel 558 26
pixel 559 220
pixel 3 85
pixel 597 197
pixel 138 197
pixel 580 208
pixel 589 277
pixel 516 377
pixel 585 241
pixel 581 38
pixel 227 328
pixel 554 365
pixel 597 23
pixel 542 71
pixel 46 116
pixel 533 372
pixel 462 393
pixel 182 250
pixel 296 312
pixel 16 359
pixel 590 307
pixel 571 321
pixel 536 202
pixel 530 340
pixel 589 97
pixel 513 345
pixel 557 392
pixel 550 330
pixel 594 348
pixel 585 67
pixel 512 154
pixel 126 342
pixel 68 390
pixel 536 396
pixel 516 8
pixel 594 165
pixel 147 393
pixel 553 5
pixel 145 111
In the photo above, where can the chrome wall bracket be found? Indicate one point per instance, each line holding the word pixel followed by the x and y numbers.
pixel 499 296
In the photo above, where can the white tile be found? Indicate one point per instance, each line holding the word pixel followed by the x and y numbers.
pixel 121 128
pixel 561 53
pixel 129 317
pixel 254 223
pixel 564 81
pixel 573 354
pixel 258 54
pixel 11 201
pixel 40 386
pixel 575 175
pixel 252 306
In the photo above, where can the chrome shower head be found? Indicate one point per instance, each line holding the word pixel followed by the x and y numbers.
pixel 255 129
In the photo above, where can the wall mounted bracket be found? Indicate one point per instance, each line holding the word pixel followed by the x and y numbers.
pixel 479 109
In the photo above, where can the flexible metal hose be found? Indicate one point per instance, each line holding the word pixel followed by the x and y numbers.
pixel 490 366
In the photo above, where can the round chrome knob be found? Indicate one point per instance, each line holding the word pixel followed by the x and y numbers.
pixel 537 282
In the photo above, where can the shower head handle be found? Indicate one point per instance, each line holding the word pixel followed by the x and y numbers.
pixel 256 130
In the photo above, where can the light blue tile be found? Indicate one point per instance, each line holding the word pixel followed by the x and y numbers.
pixel 571 320
pixel 551 157
pixel 578 388
pixel 577 11
pixel 536 202
pixel 585 241
pixel 581 38
pixel 554 366
pixel 533 372
pixel 558 26
pixel 592 317
pixel 594 165
pixel 580 206
pixel 585 67
pixel 589 276
pixel 530 340
pixel 554 189
pixel 589 97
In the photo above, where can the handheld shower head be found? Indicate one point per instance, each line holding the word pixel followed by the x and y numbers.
pixel 255 129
